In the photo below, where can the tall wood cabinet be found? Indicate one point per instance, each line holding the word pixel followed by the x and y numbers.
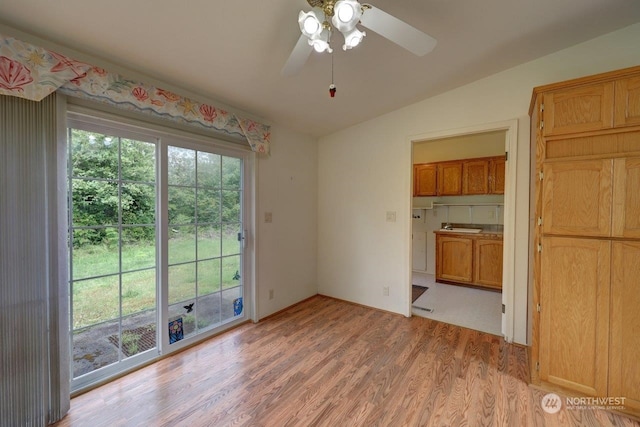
pixel 586 251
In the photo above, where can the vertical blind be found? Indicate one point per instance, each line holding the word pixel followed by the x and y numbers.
pixel 34 342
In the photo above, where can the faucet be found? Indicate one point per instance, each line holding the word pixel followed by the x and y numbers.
pixel 448 226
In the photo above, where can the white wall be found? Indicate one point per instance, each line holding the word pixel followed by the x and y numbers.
pixel 364 171
pixel 459 147
pixel 287 187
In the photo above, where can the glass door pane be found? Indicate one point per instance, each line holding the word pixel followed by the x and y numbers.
pixel 112 246
pixel 204 235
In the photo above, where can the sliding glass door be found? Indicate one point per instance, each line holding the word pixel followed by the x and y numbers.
pixel 156 244
pixel 112 246
pixel 205 236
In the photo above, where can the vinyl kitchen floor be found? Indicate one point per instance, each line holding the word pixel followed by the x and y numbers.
pixel 468 307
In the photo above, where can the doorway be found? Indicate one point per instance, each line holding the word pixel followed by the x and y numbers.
pixel 157 232
pixel 496 212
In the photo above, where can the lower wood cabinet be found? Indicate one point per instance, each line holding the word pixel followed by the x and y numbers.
pixel 624 341
pixel 454 259
pixel 574 314
pixel 469 259
pixel 589 317
pixel 487 261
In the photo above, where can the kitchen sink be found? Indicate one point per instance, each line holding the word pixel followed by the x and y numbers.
pixel 462 230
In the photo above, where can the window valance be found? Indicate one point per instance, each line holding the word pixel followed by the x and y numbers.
pixel 32 72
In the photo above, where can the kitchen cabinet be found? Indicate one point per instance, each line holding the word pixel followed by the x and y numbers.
pixel 449 178
pixel 484 175
pixel 454 258
pixel 497 168
pixel 475 176
pixel 469 259
pixel 586 241
pixel 424 180
pixel 487 262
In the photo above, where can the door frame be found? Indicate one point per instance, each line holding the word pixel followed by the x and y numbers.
pixel 508 270
pixel 108 117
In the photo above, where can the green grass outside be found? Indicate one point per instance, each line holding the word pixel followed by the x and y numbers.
pixel 97 300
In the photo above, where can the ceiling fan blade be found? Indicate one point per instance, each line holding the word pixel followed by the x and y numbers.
pixel 397 31
pixel 298 57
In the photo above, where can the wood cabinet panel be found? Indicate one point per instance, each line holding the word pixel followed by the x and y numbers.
pixel 577 197
pixel 487 265
pixel 626 198
pixel 450 179
pixel 497 169
pixel 424 180
pixel 454 259
pixel 574 315
pixel 624 373
pixel 469 260
pixel 627 102
pixel 578 109
pixel 475 176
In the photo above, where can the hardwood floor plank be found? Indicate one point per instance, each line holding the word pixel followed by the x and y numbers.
pixel 326 362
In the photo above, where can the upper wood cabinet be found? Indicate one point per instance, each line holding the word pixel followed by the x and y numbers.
pixel 424 180
pixel 449 179
pixel 497 167
pixel 576 198
pixel 598 198
pixel 475 176
pixel 484 175
pixel 578 109
pixel 626 198
pixel 627 102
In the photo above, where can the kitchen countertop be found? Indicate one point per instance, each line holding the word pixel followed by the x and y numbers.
pixel 483 233
pixel 487 230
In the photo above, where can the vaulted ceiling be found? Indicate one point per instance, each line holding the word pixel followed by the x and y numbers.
pixel 233 51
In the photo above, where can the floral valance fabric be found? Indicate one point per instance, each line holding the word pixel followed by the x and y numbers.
pixel 31 72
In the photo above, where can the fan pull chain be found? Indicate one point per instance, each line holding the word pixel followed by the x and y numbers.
pixel 332 87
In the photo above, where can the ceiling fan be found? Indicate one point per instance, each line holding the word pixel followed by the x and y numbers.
pixel 345 15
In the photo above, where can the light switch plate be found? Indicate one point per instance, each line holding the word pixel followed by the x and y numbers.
pixel 391 216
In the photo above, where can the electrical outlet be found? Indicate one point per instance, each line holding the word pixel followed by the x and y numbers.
pixel 270 293
pixel 385 291
pixel 268 217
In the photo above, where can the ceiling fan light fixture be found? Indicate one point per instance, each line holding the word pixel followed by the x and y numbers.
pixel 346 15
pixel 321 42
pixel 310 23
pixel 353 39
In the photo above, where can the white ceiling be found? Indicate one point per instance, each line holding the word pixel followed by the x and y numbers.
pixel 233 51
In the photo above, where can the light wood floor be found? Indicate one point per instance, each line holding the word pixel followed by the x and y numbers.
pixel 330 363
